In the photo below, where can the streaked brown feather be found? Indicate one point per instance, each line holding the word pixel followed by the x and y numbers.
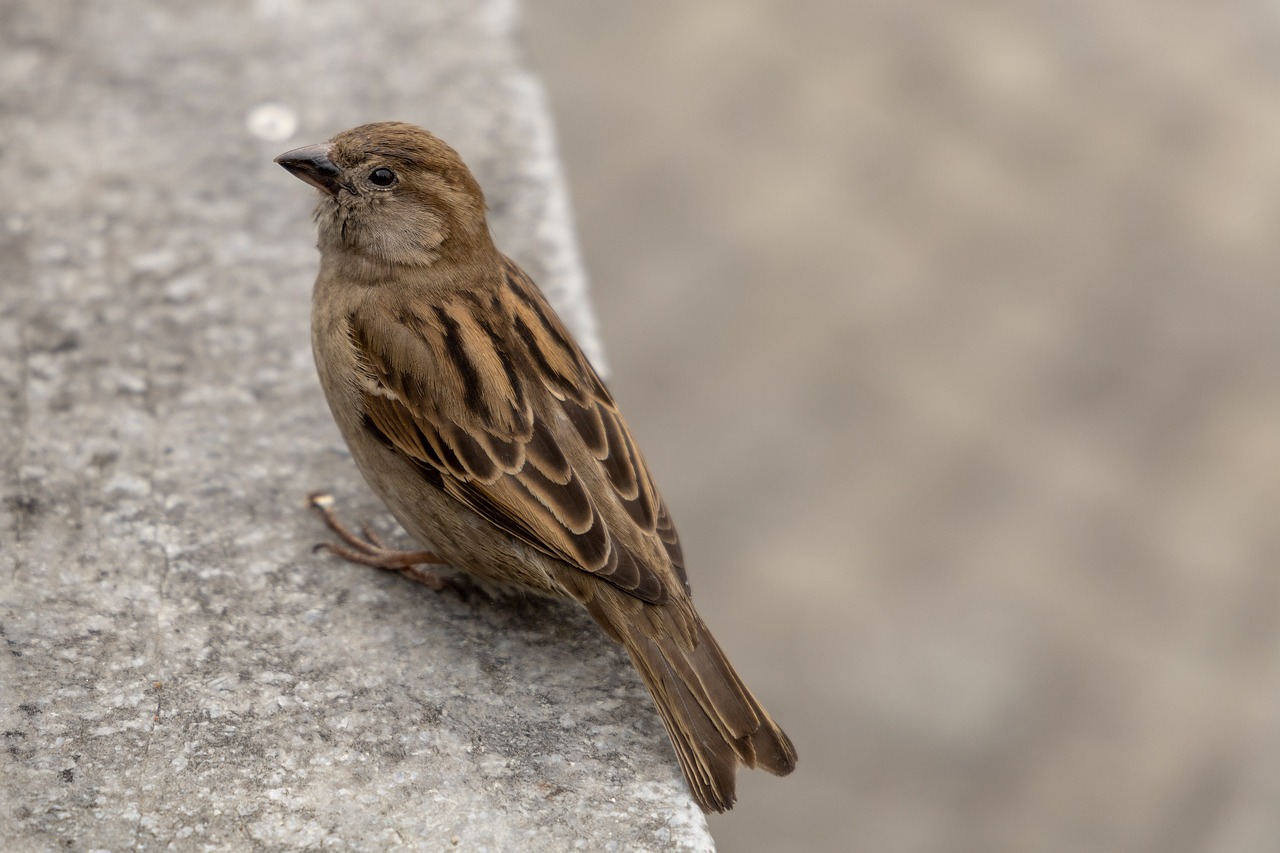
pixel 544 453
pixel 586 420
pixel 523 451
pixel 666 531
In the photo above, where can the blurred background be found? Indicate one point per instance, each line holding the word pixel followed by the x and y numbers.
pixel 951 333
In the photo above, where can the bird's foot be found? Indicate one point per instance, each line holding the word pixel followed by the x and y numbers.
pixel 368 549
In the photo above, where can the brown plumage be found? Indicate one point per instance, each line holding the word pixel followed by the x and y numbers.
pixel 476 418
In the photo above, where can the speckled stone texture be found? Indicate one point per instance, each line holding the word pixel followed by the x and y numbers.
pixel 181 672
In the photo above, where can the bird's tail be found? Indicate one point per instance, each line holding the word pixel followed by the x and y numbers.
pixel 713 720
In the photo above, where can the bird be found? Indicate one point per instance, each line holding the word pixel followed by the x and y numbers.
pixel 479 422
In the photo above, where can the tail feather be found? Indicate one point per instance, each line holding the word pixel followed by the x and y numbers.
pixel 711 717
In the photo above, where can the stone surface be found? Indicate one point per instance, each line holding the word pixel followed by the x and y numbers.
pixel 180 670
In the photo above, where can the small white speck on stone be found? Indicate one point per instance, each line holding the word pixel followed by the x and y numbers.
pixel 128 486
pixel 159 261
pixel 131 383
pixel 183 287
pixel 272 122
pixel 55 252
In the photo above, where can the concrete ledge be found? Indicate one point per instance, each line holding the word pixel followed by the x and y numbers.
pixel 181 672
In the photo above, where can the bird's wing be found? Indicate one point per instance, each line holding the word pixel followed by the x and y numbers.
pixel 495 402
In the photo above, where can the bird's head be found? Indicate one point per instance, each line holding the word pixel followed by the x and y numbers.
pixel 393 193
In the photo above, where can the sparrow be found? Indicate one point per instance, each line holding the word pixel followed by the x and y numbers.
pixel 478 421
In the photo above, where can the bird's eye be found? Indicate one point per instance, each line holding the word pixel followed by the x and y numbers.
pixel 382 177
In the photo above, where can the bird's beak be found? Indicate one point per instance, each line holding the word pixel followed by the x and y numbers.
pixel 311 163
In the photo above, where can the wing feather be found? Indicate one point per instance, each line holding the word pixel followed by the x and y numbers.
pixel 497 405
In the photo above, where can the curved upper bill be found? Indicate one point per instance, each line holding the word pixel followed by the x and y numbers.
pixel 311 163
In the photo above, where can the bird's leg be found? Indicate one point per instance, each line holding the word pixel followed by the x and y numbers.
pixel 369 549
